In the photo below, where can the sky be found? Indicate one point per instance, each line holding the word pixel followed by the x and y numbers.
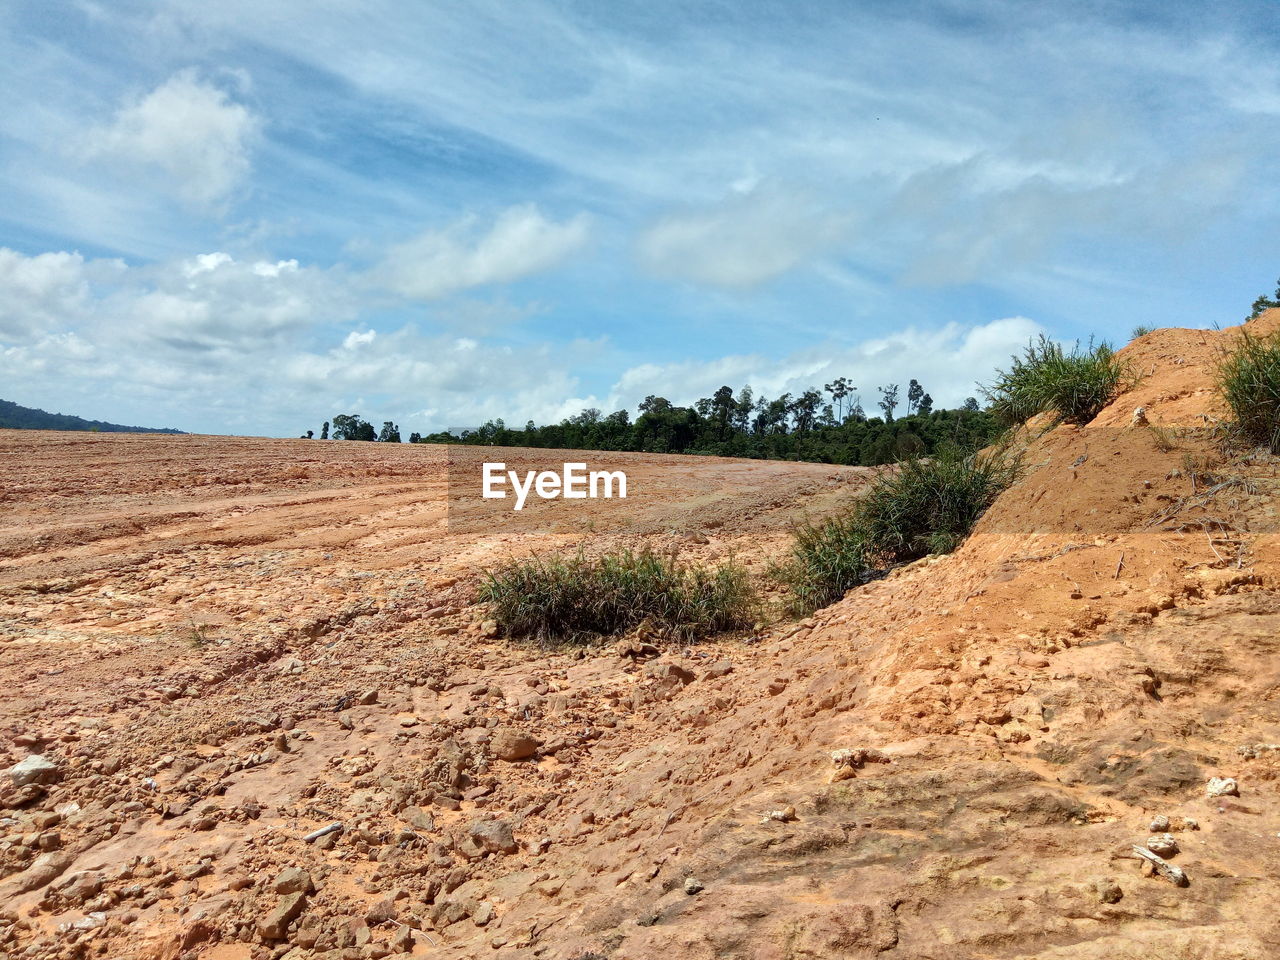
pixel 245 217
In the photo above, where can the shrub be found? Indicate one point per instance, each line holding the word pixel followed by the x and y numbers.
pixel 1249 380
pixel 1074 385
pixel 1141 330
pixel 928 506
pixel 575 598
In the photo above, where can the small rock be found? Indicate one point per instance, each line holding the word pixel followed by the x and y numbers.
pixel 1108 890
pixel 489 628
pixel 402 940
pixel 275 923
pixel 635 649
pixel 483 914
pixel 368 698
pixel 1223 787
pixel 381 912
pixel 293 880
pixel 785 815
pixel 512 745
pixel 1163 844
pixel 1159 824
pixel 34 769
pixel 721 668
pixel 693 886
pixel 847 761
pixel 419 819
pixel 493 835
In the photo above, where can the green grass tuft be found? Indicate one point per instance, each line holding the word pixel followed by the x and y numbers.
pixel 928 506
pixel 577 598
pixel 1249 380
pixel 1141 330
pixel 1074 385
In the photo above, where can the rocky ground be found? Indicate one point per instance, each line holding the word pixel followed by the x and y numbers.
pixel 252 710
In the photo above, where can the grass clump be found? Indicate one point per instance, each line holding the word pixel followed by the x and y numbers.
pixel 577 598
pixel 1141 330
pixel 1249 380
pixel 928 506
pixel 1073 385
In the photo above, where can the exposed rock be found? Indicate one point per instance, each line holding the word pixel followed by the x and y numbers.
pixel 1159 824
pixel 784 815
pixel 512 745
pixel 693 886
pixel 275 923
pixel 34 769
pixel 293 880
pixel 633 648
pixel 493 836
pixel 44 870
pixel 848 761
pixel 1108 890
pixel 1223 787
pixel 1163 844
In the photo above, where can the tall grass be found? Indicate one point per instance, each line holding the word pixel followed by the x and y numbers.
pixel 929 506
pixel 578 597
pixel 1248 376
pixel 1074 385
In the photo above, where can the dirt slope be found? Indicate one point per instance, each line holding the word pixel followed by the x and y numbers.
pixel 223 645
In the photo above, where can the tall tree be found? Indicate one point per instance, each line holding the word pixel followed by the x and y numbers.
pixel 888 401
pixel 324 431
pixel 925 406
pixel 840 388
pixel 915 393
pixel 804 410
pixel 390 433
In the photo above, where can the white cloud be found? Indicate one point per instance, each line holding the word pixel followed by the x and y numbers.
pixel 521 242
pixel 744 241
pixel 218 343
pixel 39 292
pixel 946 360
pixel 190 131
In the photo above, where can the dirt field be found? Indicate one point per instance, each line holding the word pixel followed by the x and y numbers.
pixel 221 645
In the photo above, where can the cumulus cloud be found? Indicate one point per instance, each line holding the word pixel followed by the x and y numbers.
pixel 190 131
pixel 752 237
pixel 945 359
pixel 220 343
pixel 39 292
pixel 520 242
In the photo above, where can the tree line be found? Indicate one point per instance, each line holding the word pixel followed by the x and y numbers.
pixel 828 426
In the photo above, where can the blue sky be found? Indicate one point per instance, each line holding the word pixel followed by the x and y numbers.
pixel 246 217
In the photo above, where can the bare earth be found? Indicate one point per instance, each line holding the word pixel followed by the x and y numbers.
pixel 222 645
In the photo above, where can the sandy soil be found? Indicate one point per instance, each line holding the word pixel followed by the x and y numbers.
pixel 221 645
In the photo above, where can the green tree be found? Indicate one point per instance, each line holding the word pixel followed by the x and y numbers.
pixel 324 431
pixel 390 433
pixel 888 401
pixel 915 393
pixel 839 388
pixel 350 426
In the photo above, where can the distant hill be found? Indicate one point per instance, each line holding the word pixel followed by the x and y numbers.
pixel 15 417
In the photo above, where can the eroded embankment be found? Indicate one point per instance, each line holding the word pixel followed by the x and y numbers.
pixel 214 687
